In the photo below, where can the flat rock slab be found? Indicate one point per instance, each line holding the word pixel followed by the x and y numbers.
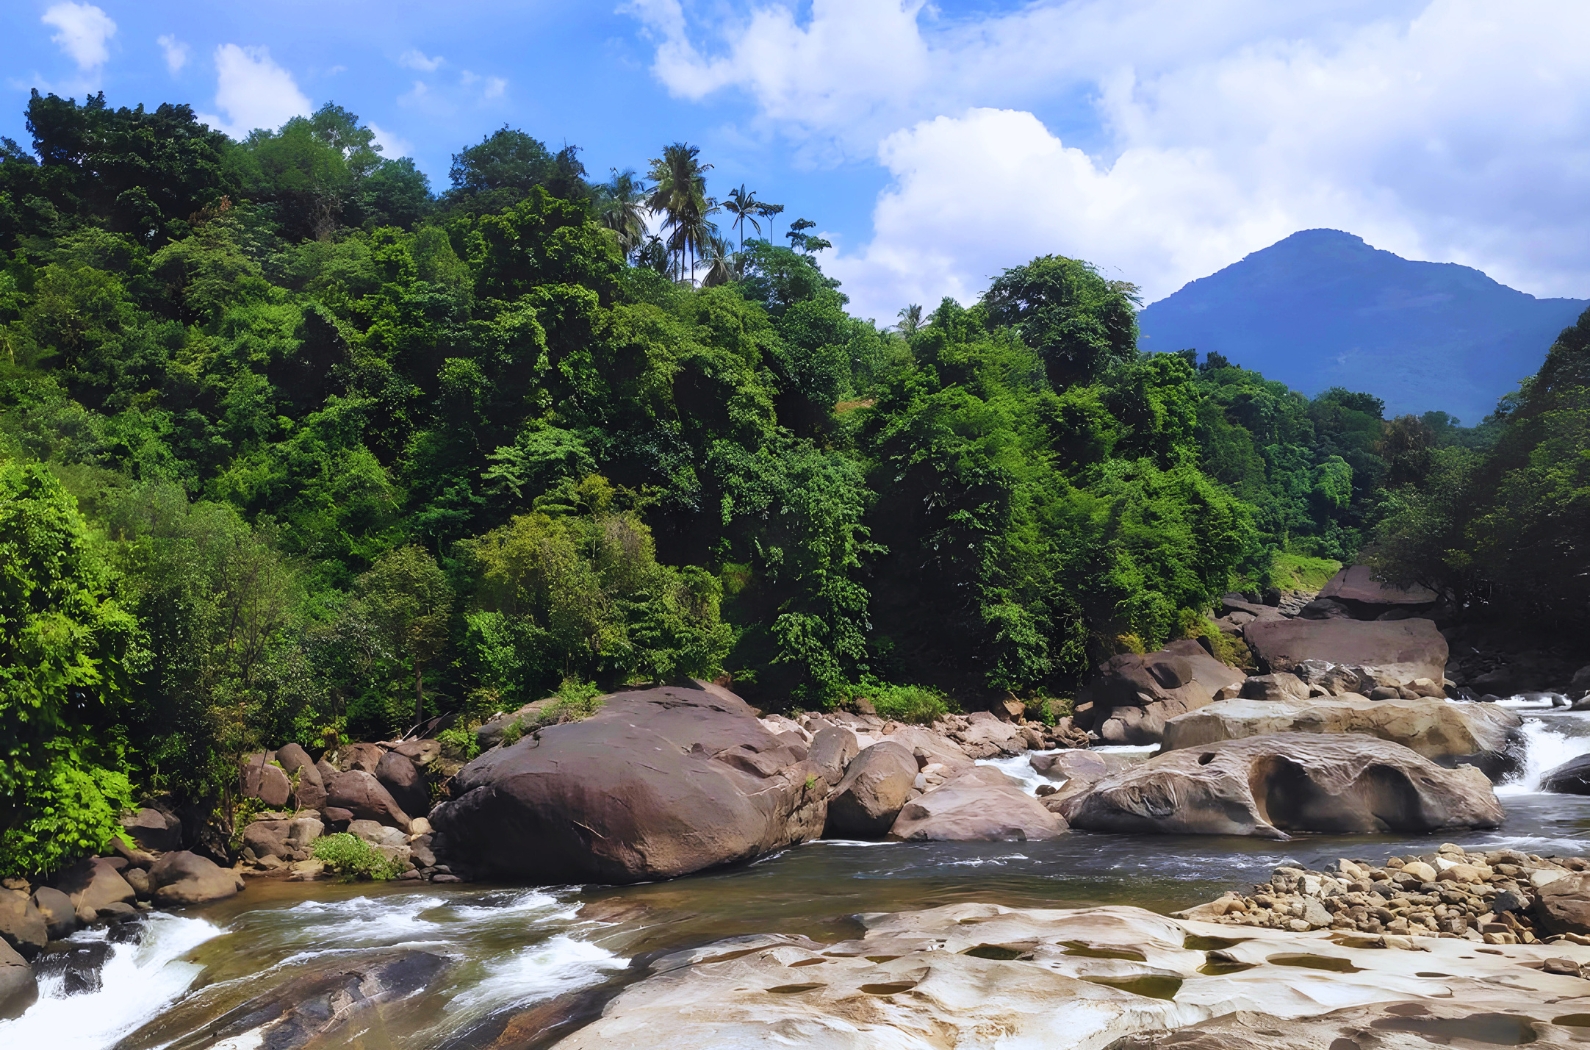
pixel 1482 735
pixel 1357 583
pixel 1393 651
pixel 984 976
pixel 1269 786
pixel 658 783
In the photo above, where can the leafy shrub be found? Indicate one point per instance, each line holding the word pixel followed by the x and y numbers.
pixel 1050 709
pixel 906 703
pixel 1228 649
pixel 353 858
pixel 459 743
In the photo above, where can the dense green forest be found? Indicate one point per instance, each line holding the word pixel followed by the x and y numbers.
pixel 294 448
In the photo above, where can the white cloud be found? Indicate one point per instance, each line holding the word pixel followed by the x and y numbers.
pixel 495 86
pixel 1448 129
pixel 176 53
pixel 391 145
pixel 414 58
pixel 253 91
pixel 83 32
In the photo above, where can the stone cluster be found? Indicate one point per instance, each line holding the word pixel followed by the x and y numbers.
pixel 1496 897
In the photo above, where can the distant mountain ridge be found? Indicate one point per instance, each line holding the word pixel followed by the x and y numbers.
pixel 1322 308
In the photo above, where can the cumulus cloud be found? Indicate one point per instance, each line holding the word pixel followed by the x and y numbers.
pixel 253 91
pixel 1445 129
pixel 390 144
pixel 414 58
pixel 83 32
pixel 176 53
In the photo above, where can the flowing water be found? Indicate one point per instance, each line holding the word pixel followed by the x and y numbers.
pixel 511 948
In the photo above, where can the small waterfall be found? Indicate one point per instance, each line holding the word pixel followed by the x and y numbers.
pixel 137 982
pixel 1549 741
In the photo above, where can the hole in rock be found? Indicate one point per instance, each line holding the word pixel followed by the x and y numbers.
pixel 997 951
pixel 1149 985
pixel 1195 943
pixel 1573 1020
pixel 1206 758
pixel 1490 1029
pixel 1314 962
pixel 809 962
pixel 1381 799
pixel 1090 951
pixel 881 958
pixel 791 989
pixel 891 988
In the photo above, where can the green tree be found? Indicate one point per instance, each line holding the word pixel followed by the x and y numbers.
pixel 1079 322
pixel 407 597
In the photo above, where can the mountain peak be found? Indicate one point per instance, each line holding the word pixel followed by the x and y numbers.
pixel 1324 308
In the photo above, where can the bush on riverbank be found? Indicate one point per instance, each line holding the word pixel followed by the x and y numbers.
pixel 353 858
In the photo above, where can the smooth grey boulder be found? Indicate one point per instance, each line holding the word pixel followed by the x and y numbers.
pixel 876 784
pixel 1356 587
pixel 1570 778
pixel 94 884
pixel 181 877
pixel 153 830
pixel 1269 786
pixel 832 749
pixel 19 989
pixel 362 795
pixel 60 915
pixel 980 805
pixel 22 925
pixel 657 783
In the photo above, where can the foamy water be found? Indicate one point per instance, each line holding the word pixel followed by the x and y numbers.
pixel 138 982
pixel 1549 741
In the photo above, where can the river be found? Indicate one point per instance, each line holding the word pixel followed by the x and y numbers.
pixel 511 947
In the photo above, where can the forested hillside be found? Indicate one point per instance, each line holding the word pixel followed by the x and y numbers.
pixel 292 448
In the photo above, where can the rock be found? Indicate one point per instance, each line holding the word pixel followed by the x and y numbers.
pixel 361 757
pixel 1383 1026
pixel 19 989
pixel 153 830
pixel 419 826
pixel 309 786
pixel 658 783
pixel 365 797
pixel 489 734
pixel 1278 783
pixel 264 780
pixel 337 818
pixel 22 925
pixel 117 912
pixel 187 878
pixel 138 879
pixel 1392 652
pixel 338 1004
pixel 421 752
pixel 985 736
pixel 292 758
pixel 268 838
pixel 1325 609
pixel 1282 685
pixel 1482 735
pixel 981 805
pixel 876 784
pixel 79 966
pixel 832 749
pixel 1133 696
pixel 1356 588
pixel 306 870
pixel 931 748
pixel 377 834
pixel 404 782
pixel 58 911
pixel 1068 765
pixel 1570 778
pixel 92 884
pixel 1563 905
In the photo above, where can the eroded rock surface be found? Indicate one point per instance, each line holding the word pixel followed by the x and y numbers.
pixel 980 805
pixel 1132 696
pixel 1346 783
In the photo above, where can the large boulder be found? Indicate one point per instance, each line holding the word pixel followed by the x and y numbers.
pixel 19 989
pixel 1563 905
pixel 930 748
pixel 284 838
pixel 1268 786
pixel 309 787
pixel 1132 696
pixel 405 783
pixel 94 885
pixel 980 805
pixel 264 780
pixel 876 784
pixel 362 795
pixel 362 757
pixel 187 878
pixel 1570 778
pixel 55 907
pixel 153 830
pixel 658 783
pixel 1451 734
pixel 986 736
pixel 1392 652
pixel 21 924
pixel 832 749
pixel 1356 588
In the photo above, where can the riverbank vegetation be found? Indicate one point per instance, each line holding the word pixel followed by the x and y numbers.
pixel 294 449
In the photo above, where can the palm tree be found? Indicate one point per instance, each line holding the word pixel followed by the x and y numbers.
pixel 680 194
pixel 724 265
pixel 910 320
pixel 621 208
pixel 746 208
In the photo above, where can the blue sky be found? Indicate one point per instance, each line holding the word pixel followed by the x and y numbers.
pixel 937 144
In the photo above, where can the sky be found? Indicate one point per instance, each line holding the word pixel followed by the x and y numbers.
pixel 937 144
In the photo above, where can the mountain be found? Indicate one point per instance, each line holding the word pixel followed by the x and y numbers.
pixel 1322 308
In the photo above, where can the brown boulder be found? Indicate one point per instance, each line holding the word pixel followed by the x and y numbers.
pixel 981 805
pixel 19 989
pixel 365 797
pixel 985 736
pixel 405 783
pixel 187 878
pixel 361 757
pixel 153 830
pixel 421 752
pixel 1283 685
pixel 832 749
pixel 60 916
pixel 658 783
pixel 94 884
pixel 310 790
pixel 1356 587
pixel 1563 905
pixel 876 784
pixel 1132 696
pixel 1267 786
pixel 21 924
pixel 930 748
pixel 1391 652
pixel 264 780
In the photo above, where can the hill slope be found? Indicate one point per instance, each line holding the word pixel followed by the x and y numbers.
pixel 1322 308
